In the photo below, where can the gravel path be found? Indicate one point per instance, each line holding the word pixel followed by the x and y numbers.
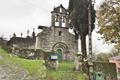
pixel 15 72
pixel 9 72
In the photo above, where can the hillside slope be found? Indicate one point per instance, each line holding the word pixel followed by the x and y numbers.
pixel 14 68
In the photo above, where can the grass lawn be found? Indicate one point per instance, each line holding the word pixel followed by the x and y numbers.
pixel 65 72
pixel 35 67
pixel 32 66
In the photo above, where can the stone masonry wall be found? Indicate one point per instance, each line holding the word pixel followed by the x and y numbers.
pixel 50 36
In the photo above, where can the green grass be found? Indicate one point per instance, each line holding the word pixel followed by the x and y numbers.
pixel 65 72
pixel 66 66
pixel 32 66
pixel 65 75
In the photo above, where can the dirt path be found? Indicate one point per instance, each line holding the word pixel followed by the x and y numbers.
pixel 8 72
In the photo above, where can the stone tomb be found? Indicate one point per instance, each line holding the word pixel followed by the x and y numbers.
pixel 104 71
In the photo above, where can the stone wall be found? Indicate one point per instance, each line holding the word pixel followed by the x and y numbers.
pixel 29 53
pixel 53 35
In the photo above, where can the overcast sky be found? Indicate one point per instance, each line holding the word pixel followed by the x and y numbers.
pixel 22 15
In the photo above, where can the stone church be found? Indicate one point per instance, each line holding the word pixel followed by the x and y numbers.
pixel 54 38
pixel 57 37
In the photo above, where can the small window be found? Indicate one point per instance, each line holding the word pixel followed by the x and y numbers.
pixel 60 33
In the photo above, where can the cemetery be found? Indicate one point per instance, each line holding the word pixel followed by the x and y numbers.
pixel 56 53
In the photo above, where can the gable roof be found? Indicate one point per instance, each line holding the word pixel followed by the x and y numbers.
pixel 60 9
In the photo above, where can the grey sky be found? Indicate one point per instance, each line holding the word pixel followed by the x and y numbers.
pixel 20 15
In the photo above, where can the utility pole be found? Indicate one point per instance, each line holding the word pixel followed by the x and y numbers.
pixel 90 57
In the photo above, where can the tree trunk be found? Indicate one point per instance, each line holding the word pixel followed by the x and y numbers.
pixel 84 54
pixel 83 45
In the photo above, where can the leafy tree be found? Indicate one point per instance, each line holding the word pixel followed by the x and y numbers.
pixel 78 10
pixel 114 52
pixel 104 57
pixel 109 21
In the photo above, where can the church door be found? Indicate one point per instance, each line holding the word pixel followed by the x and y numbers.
pixel 59 52
pixel 62 50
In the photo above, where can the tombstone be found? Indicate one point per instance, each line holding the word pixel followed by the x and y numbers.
pixel 104 71
pixel 16 52
pixel 54 63
pixel 31 55
pixel 78 62
pixel 13 50
pixel 99 76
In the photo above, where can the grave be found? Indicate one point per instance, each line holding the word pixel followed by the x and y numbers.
pixel 104 71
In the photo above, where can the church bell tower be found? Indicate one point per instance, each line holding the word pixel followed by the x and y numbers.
pixel 59 17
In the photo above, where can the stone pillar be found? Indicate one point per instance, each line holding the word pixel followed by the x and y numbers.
pixel 53 19
pixel 60 20
pixel 66 22
pixel 36 43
